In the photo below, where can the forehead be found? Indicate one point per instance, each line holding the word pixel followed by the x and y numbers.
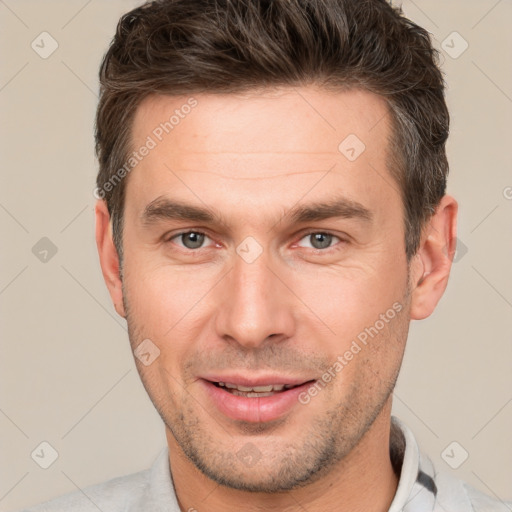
pixel 247 146
pixel 281 120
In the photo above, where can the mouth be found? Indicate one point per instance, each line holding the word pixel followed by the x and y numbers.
pixel 256 401
pixel 256 391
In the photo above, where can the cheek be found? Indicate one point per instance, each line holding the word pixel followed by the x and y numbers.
pixel 170 306
pixel 347 300
pixel 164 293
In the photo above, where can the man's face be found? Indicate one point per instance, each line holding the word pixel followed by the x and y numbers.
pixel 262 294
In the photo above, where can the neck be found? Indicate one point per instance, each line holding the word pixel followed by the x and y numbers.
pixel 363 481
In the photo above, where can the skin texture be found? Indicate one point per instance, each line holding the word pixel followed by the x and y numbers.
pixel 292 311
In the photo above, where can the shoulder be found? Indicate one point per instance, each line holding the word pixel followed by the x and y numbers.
pixel 113 495
pixel 422 487
pixel 457 495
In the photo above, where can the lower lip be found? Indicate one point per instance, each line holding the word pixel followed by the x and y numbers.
pixel 254 409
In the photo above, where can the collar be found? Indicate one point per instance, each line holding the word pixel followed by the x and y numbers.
pixel 417 490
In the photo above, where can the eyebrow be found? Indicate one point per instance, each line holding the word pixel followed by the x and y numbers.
pixel 165 209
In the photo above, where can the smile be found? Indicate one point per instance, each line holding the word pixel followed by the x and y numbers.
pixel 254 404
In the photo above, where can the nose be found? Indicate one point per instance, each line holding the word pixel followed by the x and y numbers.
pixel 255 304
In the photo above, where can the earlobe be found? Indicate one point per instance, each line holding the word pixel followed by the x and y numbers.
pixel 431 266
pixel 109 259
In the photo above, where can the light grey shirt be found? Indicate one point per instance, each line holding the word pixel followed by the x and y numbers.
pixel 420 489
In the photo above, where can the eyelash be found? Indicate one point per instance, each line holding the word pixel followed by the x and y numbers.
pixel 304 235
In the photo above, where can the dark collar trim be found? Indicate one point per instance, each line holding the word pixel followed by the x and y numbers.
pixel 427 481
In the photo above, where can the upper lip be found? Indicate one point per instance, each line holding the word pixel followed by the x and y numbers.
pixel 261 380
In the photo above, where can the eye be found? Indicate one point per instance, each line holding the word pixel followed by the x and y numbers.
pixel 193 240
pixel 320 240
pixel 190 239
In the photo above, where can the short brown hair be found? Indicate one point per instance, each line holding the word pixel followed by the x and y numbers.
pixel 179 47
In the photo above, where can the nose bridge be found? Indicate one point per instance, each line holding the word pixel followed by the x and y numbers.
pixel 255 303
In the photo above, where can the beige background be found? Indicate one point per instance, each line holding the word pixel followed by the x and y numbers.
pixel 67 374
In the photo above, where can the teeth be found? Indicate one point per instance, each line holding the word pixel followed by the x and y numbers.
pixel 250 395
pixel 257 389
pixel 244 388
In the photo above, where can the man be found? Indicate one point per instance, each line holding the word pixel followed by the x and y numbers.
pixel 271 215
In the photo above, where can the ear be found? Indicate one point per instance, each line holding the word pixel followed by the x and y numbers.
pixel 432 263
pixel 109 259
